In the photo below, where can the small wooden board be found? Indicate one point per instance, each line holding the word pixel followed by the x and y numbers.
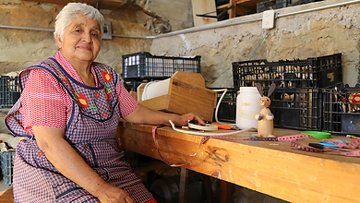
pixel 187 94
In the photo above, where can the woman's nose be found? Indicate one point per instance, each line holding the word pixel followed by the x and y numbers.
pixel 87 36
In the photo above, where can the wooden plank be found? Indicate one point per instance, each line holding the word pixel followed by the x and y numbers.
pixel 186 97
pixel 276 170
pixel 196 79
pixel 246 1
pixel 203 7
pixel 232 10
pixel 245 7
pixel 237 8
pixel 158 103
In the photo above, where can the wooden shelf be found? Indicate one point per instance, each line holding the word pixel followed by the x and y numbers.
pixel 104 4
pixel 237 8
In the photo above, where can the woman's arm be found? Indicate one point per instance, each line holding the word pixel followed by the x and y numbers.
pixel 69 163
pixel 145 115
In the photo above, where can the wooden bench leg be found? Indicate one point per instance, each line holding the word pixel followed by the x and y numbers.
pixel 226 192
pixel 182 187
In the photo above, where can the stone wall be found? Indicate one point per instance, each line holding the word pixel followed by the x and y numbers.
pixel 310 34
pixel 22 47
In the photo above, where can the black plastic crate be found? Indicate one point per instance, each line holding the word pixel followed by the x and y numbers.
pixel 221 2
pixel 7 163
pixel 131 85
pixel 265 5
pixel 298 108
pixel 314 72
pixel 341 112
pixel 144 65
pixel 308 1
pixel 227 108
pixel 283 3
pixel 9 91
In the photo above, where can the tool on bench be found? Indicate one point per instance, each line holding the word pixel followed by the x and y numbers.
pixel 327 145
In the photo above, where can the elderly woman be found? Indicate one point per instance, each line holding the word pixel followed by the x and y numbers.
pixel 68 111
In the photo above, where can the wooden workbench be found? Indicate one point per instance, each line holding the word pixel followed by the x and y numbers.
pixel 272 168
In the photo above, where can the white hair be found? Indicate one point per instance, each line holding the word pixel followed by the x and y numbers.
pixel 70 11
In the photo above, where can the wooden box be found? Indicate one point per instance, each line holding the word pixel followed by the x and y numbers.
pixel 186 94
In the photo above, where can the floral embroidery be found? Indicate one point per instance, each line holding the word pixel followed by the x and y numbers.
pixel 63 78
pixel 108 92
pixel 40 153
pixel 104 114
pixel 92 106
pixel 108 96
pixel 82 100
pixel 107 88
pixel 107 76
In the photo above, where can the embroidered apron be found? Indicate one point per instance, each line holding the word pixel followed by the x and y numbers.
pixel 90 129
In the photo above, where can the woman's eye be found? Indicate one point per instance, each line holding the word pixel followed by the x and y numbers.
pixel 94 34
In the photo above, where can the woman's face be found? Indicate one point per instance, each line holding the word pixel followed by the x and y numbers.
pixel 82 40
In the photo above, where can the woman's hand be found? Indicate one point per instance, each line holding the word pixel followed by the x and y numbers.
pixel 112 194
pixel 185 118
pixel 69 162
pixel 145 115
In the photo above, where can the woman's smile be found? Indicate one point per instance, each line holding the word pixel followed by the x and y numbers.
pixel 84 47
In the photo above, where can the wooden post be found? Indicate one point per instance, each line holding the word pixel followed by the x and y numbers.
pixel 182 187
pixel 232 10
pixel 226 192
pixel 203 7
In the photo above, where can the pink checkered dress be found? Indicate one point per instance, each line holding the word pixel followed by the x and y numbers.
pixel 90 128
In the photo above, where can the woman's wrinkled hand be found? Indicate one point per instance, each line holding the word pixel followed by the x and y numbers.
pixel 112 194
pixel 185 118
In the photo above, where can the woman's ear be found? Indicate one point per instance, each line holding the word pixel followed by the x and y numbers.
pixel 58 41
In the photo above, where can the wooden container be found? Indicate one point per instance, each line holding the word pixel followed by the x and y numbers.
pixel 187 94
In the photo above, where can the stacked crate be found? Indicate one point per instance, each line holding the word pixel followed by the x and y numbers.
pixel 143 67
pixel 9 91
pixel 297 100
pixel 271 4
pixel 7 163
pixel 341 113
pixel 308 1
pixel 9 94
pixel 276 4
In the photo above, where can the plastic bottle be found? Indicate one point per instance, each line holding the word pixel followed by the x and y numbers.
pixel 247 106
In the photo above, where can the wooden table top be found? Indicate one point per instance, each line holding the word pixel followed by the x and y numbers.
pixel 273 168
